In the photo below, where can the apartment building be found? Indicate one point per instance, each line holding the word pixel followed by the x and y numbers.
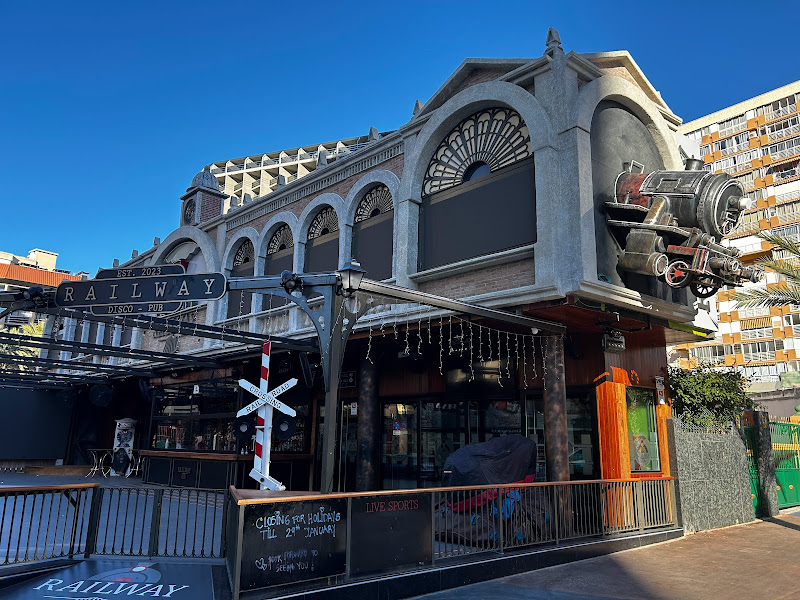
pixel 757 142
pixel 249 177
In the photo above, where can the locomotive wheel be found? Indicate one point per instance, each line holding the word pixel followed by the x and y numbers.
pixel 703 290
pixel 677 274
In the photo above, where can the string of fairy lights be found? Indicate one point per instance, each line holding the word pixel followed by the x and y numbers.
pixel 472 342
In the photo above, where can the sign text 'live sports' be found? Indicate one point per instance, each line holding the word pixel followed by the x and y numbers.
pixel 129 292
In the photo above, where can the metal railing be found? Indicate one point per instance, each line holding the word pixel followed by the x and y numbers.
pixel 785 174
pixel 186 523
pixel 43 523
pixel 782 133
pixel 481 519
pixel 781 112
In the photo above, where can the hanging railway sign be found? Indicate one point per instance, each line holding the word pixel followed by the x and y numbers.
pixel 129 295
pixel 133 272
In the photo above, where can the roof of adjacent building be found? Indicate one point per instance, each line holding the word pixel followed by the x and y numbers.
pixel 740 108
pixel 34 276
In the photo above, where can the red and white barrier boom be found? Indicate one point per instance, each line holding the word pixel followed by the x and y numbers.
pixel 264 405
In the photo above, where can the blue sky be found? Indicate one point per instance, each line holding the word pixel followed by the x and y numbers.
pixel 108 109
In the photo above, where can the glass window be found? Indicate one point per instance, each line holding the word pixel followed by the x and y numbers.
pixel 399 448
pixel 642 430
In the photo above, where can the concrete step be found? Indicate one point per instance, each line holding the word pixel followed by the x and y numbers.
pixel 59 470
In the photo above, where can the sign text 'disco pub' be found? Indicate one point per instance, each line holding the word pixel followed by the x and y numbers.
pixel 125 292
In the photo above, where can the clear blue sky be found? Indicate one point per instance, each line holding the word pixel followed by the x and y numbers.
pixel 108 109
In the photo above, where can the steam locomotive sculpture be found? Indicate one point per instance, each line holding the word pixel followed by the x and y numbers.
pixel 669 224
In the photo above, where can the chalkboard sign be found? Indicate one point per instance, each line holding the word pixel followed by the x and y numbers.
pixel 390 532
pixel 287 542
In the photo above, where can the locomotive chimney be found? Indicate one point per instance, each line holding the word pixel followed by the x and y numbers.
pixel 693 164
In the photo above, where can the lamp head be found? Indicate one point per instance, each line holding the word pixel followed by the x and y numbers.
pixel 350 276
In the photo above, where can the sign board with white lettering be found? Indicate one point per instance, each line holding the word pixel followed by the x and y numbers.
pixel 130 273
pixel 267 398
pixel 129 292
pixel 286 542
pixel 120 579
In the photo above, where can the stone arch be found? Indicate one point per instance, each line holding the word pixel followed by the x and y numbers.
pixel 278 220
pixel 233 245
pixel 634 99
pixel 199 237
pixel 246 233
pixel 483 95
pixel 307 216
pixel 366 183
pixel 209 250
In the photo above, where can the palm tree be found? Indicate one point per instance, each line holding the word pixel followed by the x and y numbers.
pixel 789 290
pixel 11 349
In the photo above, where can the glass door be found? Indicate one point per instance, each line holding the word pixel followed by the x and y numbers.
pixel 442 432
pixel 399 446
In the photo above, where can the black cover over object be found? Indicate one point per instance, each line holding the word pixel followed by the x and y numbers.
pixel 504 459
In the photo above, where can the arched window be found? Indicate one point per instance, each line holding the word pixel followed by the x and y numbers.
pixel 482 143
pixel 322 247
pixel 244 260
pixel 479 191
pixel 280 257
pixel 373 232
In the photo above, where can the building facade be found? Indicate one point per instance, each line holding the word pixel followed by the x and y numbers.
pixel 757 142
pixel 18 273
pixel 501 191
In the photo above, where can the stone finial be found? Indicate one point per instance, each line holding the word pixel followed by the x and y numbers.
pixel 281 181
pixel 373 134
pixel 115 263
pixel 322 158
pixel 134 253
pixel 156 241
pixel 417 107
pixel 553 43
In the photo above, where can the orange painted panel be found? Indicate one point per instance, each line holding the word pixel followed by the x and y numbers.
pixel 771 201
pixel 663 412
pixel 734 315
pixel 615 457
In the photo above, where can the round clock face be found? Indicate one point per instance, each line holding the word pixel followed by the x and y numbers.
pixel 188 213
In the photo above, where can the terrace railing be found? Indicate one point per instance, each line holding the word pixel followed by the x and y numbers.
pixel 43 523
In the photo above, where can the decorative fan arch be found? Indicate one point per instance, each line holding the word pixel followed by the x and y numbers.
pixel 280 240
pixel 376 201
pixel 245 254
pixel 325 222
pixel 496 137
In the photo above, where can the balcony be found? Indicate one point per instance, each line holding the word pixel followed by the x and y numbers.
pixel 782 133
pixel 734 149
pixel 759 356
pixel 786 196
pixel 787 152
pixel 781 112
pixel 785 174
pixel 731 129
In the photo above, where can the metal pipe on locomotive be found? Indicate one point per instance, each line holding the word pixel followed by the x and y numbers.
pixel 670 224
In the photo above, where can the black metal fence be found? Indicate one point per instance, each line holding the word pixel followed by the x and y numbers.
pixel 44 523
pixel 65 521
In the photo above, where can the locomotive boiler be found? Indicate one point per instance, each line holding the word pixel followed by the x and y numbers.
pixel 670 224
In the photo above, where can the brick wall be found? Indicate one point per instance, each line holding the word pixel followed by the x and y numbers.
pixel 480 76
pixel 483 281
pixel 211 207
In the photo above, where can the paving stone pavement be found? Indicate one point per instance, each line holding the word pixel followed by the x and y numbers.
pixel 753 561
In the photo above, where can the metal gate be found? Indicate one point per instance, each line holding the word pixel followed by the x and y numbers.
pixel 752 466
pixel 785 438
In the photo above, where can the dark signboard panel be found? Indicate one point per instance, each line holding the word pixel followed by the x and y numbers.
pixel 184 473
pixel 288 542
pixel 390 533
pixel 322 253
pixel 492 213
pixel 372 245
